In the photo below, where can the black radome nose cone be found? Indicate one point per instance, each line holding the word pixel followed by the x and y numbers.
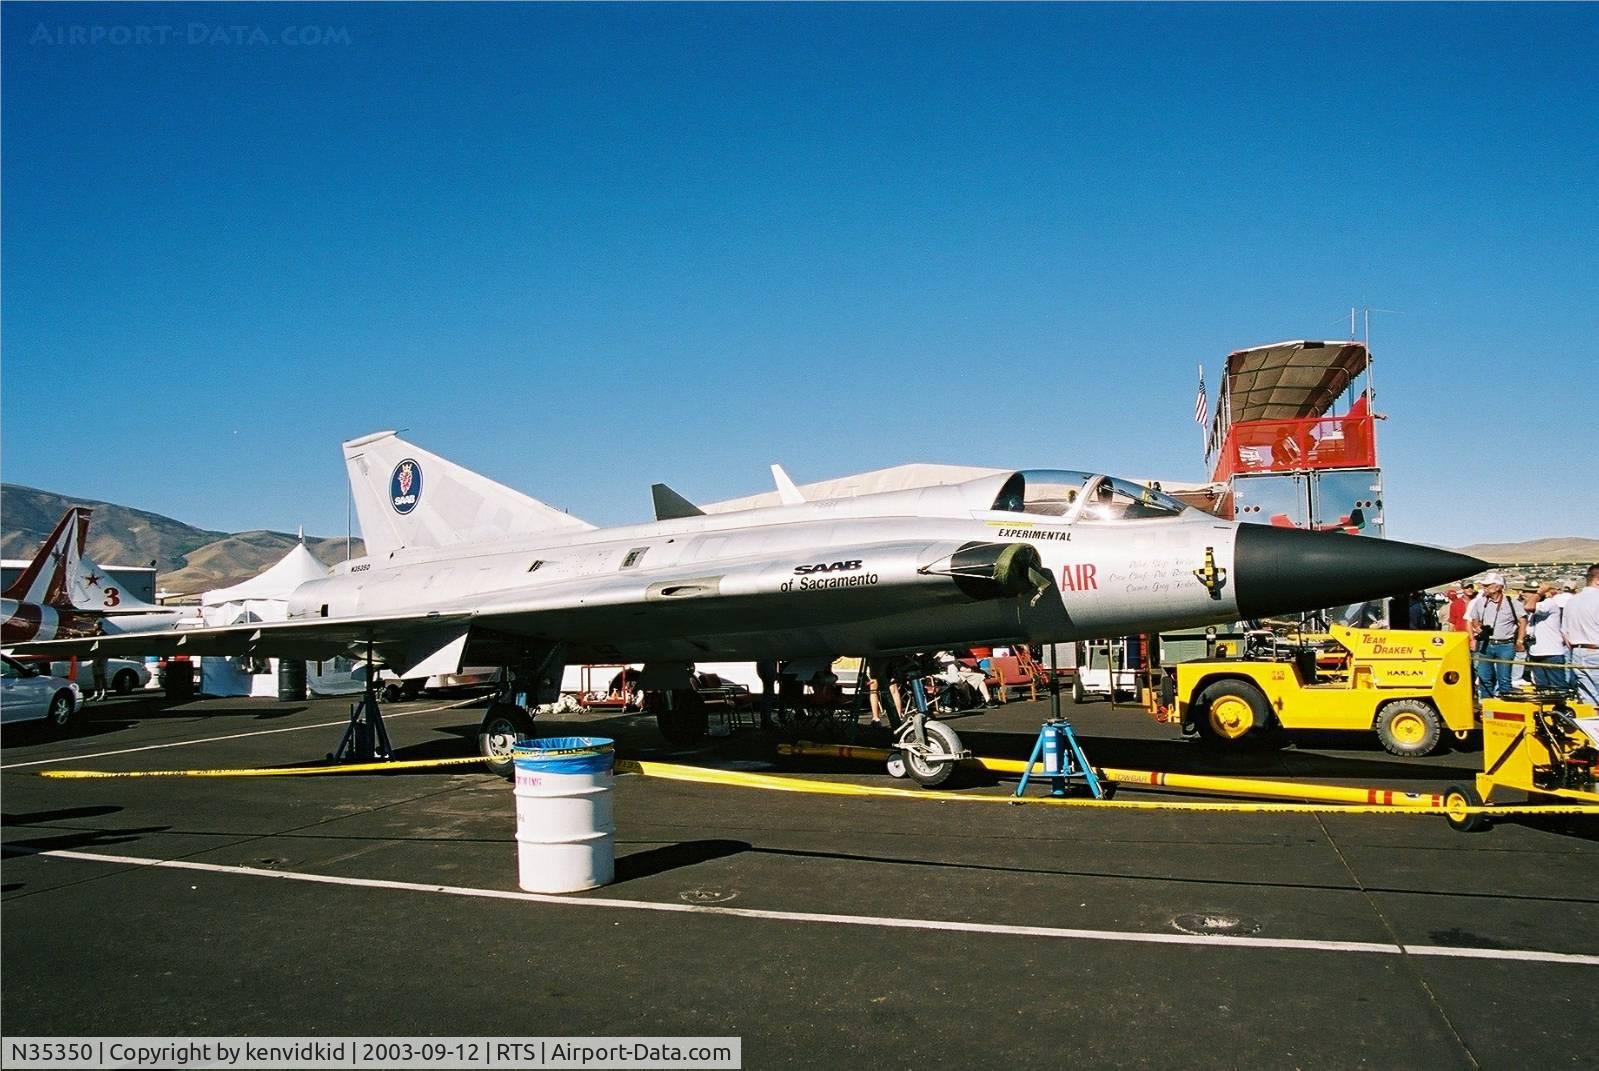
pixel 1287 570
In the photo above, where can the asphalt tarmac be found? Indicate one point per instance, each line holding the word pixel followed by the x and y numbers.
pixel 873 931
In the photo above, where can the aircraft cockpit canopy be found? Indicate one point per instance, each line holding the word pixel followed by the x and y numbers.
pixel 1082 496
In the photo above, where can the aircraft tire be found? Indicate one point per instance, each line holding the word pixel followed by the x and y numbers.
pixel 503 724
pixel 684 722
pixel 931 774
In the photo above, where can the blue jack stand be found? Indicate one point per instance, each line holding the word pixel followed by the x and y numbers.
pixel 1063 759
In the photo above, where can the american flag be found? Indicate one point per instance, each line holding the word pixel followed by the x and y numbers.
pixel 1201 403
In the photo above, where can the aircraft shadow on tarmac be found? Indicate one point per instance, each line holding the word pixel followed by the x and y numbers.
pixel 156 706
pixel 70 839
pixel 60 814
pixel 672 856
pixel 119 715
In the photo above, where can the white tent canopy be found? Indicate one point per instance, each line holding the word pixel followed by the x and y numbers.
pixel 276 583
pixel 264 597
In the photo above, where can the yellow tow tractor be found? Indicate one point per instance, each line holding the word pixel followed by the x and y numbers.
pixel 1407 687
pixel 1546 746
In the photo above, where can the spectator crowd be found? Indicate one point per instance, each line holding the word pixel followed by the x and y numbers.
pixel 1544 633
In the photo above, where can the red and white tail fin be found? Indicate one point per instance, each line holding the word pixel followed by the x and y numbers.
pixel 408 497
pixel 44 581
pixel 89 588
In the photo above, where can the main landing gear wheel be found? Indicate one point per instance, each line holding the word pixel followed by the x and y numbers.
pixel 1409 728
pixel 1456 799
pixel 1231 710
pixel 680 716
pixel 930 769
pixel 504 725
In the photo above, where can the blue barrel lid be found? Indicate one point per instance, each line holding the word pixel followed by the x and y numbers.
pixel 545 747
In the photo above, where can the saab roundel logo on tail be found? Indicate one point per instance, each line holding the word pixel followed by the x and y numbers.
pixel 405 486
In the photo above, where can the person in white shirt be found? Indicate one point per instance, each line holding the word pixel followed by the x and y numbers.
pixel 956 673
pixel 1546 647
pixel 1498 630
pixel 1580 626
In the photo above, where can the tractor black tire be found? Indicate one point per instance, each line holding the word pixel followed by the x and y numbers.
pixel 503 725
pixel 1409 728
pixel 1223 707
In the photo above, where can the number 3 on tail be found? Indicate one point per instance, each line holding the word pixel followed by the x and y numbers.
pixel 112 596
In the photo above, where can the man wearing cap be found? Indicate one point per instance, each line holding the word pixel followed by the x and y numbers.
pixel 1497 627
pixel 1580 623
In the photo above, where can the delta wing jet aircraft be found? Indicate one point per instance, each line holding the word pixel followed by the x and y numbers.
pixel 461 570
pixel 63 594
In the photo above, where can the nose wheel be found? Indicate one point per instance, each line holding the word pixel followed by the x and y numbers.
pixel 926 751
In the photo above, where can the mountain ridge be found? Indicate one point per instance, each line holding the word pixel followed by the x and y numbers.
pixel 188 559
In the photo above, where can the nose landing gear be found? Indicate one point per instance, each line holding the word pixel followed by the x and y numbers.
pixel 925 750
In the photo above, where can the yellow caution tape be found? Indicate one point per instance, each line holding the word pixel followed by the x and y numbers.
pixel 742 779
pixel 1234 786
pixel 770 782
pixel 1347 799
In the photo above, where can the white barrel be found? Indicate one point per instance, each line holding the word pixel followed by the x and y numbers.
pixel 565 832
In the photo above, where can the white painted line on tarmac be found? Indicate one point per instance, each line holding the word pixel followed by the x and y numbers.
pixel 216 739
pixel 881 922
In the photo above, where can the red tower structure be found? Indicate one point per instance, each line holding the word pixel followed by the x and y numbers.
pixel 1283 452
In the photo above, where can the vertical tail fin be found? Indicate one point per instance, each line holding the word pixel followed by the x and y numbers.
pixel 44 580
pixel 408 497
pixel 88 587
pixel 671 506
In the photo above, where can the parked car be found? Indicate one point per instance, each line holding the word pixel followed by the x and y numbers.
pixel 30 695
pixel 123 675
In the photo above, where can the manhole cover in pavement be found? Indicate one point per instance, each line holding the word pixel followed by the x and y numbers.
pixel 1218 924
pixel 706 896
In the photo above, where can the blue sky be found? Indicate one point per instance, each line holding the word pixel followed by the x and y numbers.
pixel 581 249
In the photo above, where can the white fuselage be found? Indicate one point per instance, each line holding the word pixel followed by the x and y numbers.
pixel 850 576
